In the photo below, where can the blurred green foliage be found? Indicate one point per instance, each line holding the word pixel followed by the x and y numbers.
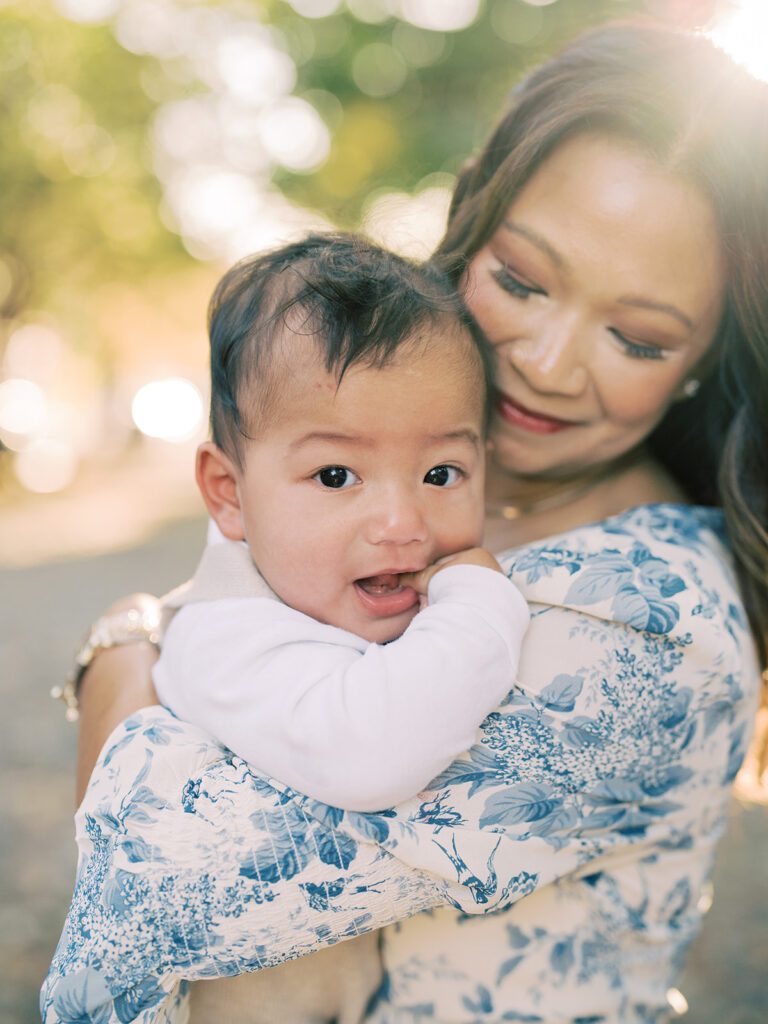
pixel 80 204
pixel 455 84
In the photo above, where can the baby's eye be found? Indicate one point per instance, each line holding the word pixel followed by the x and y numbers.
pixel 443 476
pixel 336 477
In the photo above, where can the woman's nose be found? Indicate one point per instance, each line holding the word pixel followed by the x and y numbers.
pixel 553 357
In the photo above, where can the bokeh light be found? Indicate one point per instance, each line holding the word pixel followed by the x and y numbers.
pixel 210 203
pixel 372 12
pixel 87 10
pixel 55 111
pixel 516 23
pixel 379 70
pixel 279 221
pixel 419 47
pixel 411 225
pixel 33 351
pixel 253 70
pixel 151 27
pixel 88 150
pixel 186 130
pixel 171 409
pixel 46 465
pixel 315 8
pixel 23 410
pixel 294 135
pixel 445 16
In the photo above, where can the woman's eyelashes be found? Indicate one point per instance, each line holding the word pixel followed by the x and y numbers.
pixel 515 285
pixel 635 349
pixel 336 478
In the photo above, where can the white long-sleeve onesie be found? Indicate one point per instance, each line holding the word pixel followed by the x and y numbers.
pixel 354 724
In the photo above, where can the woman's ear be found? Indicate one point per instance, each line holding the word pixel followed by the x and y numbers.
pixel 217 477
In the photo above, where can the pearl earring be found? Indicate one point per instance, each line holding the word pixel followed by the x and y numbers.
pixel 691 387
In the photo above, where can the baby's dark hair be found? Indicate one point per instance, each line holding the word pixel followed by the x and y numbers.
pixel 359 303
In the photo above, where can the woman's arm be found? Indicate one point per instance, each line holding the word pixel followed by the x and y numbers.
pixel 191 865
pixel 116 684
pixel 621 738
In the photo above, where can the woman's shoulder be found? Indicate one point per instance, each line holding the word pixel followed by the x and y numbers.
pixel 655 567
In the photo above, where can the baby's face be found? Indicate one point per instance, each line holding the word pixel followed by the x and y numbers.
pixel 351 485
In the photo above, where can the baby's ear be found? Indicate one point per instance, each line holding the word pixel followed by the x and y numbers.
pixel 217 478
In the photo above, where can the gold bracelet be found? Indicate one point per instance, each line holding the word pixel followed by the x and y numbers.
pixel 129 627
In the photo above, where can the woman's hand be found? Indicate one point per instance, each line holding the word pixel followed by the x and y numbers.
pixel 117 683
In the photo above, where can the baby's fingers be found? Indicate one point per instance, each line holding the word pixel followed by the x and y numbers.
pixel 418 580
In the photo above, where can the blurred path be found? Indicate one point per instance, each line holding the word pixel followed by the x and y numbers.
pixel 45 608
pixel 44 611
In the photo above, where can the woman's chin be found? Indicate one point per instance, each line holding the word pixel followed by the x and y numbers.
pixel 511 460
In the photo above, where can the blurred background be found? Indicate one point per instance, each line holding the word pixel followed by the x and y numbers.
pixel 146 144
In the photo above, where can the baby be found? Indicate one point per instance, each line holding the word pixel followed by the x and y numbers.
pixel 344 633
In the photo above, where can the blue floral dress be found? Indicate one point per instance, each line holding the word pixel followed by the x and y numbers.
pixel 553 874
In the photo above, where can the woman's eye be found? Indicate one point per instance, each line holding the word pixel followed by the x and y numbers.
pixel 637 351
pixel 443 476
pixel 506 280
pixel 336 477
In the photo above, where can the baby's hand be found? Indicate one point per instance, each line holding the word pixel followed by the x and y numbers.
pixel 472 556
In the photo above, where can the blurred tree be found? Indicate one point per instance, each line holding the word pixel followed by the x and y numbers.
pixel 404 102
pixel 79 202
pixel 142 135
pixel 415 101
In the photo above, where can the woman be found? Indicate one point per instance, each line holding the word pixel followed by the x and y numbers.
pixel 612 240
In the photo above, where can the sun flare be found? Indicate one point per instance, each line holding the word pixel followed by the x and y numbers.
pixel 742 32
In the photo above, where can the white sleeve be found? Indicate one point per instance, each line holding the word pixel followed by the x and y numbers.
pixel 356 725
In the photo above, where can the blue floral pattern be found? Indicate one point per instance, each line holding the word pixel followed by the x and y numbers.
pixel 597 792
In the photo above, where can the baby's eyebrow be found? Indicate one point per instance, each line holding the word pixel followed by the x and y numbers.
pixel 333 437
pixel 464 434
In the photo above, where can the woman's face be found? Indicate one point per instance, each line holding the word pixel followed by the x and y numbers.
pixel 601 291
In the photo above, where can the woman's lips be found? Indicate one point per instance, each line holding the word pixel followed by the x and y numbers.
pixel 535 422
pixel 383 595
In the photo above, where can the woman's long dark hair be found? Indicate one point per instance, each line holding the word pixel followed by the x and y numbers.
pixel 689 106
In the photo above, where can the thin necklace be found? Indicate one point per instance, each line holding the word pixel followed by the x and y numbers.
pixel 514 510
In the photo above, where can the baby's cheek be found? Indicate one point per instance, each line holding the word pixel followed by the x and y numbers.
pixel 475 520
pixel 470 536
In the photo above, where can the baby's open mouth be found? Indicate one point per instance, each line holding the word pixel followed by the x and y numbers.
pixel 385 583
pixel 386 594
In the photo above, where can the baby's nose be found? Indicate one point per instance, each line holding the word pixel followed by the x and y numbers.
pixel 398 520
